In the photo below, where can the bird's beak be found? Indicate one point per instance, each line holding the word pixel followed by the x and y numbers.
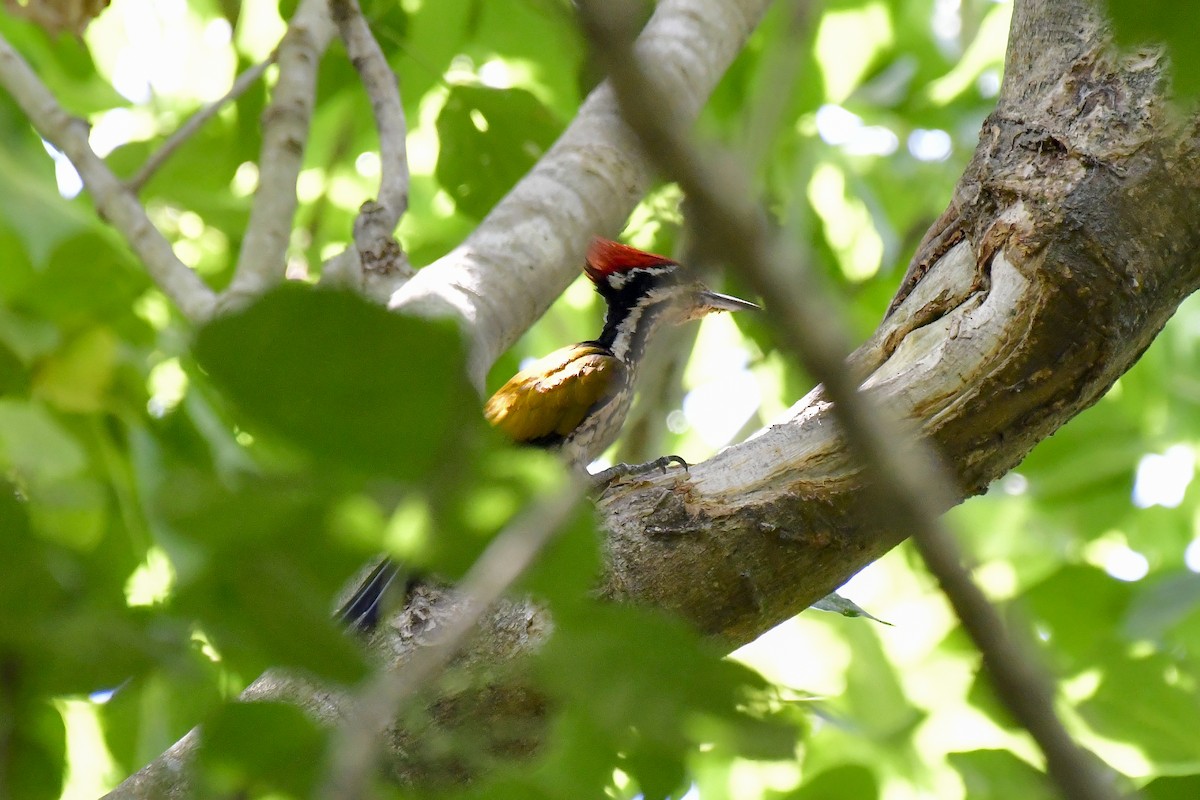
pixel 715 301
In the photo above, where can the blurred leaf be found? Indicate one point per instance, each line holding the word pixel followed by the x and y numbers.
pixel 72 512
pixel 1078 609
pixel 260 747
pixel 345 379
pixel 34 746
pixel 88 278
pixel 1000 775
pixel 489 139
pixel 34 444
pixel 1161 605
pixel 638 683
pixel 76 379
pixel 1138 21
pixel 264 585
pixel 1143 702
pixel 147 715
pixel 874 695
pixel 1183 787
pixel 840 783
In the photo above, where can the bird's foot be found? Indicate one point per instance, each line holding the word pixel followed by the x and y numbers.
pixel 605 477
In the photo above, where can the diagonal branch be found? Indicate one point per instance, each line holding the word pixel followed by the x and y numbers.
pixel 513 265
pixel 195 122
pixel 901 470
pixel 286 121
pixel 113 200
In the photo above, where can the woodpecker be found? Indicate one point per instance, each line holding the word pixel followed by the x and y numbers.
pixel 575 400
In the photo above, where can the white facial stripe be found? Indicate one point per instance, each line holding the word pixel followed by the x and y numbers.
pixel 624 333
pixel 617 280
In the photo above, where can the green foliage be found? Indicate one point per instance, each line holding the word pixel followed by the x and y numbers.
pixel 1142 22
pixel 297 354
pixel 261 748
pixel 179 507
pixel 489 139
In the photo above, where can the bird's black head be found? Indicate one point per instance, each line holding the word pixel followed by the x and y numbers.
pixel 623 274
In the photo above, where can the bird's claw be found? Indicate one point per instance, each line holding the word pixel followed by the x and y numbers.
pixel 603 478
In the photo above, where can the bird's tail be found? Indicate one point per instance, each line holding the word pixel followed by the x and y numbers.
pixel 364 608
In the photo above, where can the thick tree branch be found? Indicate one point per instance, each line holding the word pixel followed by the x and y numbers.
pixel 511 267
pixel 286 121
pixel 113 201
pixel 902 473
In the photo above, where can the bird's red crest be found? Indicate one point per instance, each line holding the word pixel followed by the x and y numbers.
pixel 606 257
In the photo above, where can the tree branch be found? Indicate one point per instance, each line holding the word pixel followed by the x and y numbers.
pixel 113 201
pixel 901 470
pixel 357 744
pixel 261 261
pixel 380 84
pixel 376 265
pixel 511 267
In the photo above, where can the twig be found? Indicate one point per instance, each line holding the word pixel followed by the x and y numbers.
pixel 355 749
pixel 113 201
pixel 902 471
pixel 384 92
pixel 263 255
pixel 381 266
pixel 195 122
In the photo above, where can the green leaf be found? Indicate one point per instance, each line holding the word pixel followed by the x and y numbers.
pixel 836 604
pixel 1145 702
pixel 72 512
pixel 88 278
pixel 261 747
pixel 848 781
pixel 646 686
pixel 489 139
pixel 76 379
pixel 1077 610
pixel 1000 775
pixel 1161 605
pixel 31 761
pixel 147 714
pixel 1137 22
pixel 1182 787
pixel 34 444
pixel 347 380
pixel 262 571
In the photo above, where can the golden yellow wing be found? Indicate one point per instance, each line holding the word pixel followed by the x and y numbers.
pixel 550 397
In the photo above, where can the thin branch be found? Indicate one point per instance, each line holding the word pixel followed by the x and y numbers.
pixel 286 123
pixel 380 267
pixel 356 748
pixel 195 122
pixel 113 201
pixel 903 472
pixel 384 92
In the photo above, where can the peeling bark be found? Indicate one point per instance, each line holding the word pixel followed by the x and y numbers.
pixel 1069 243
